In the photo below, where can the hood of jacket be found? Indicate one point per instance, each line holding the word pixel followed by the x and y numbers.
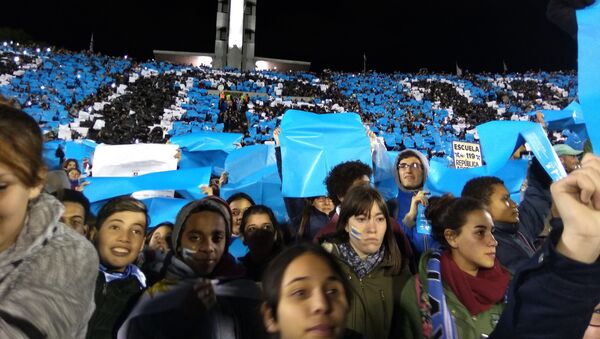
pixel 43 211
pixel 417 154
pixel 210 203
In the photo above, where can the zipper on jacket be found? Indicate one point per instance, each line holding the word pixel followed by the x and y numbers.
pixel 382 294
pixel 105 288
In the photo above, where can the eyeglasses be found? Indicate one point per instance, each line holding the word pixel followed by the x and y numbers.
pixel 414 165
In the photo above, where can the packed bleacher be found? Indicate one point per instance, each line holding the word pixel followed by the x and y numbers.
pixel 154 200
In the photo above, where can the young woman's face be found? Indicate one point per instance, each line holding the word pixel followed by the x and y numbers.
pixel 70 165
pixel 203 241
pixel 475 246
pixel 366 232
pixel 312 302
pixel 159 239
pixel 14 197
pixel 502 207
pixel 238 207
pixel 120 239
pixel 259 233
pixel 323 204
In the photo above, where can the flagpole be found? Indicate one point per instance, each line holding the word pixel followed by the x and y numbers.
pixel 364 63
pixel 92 43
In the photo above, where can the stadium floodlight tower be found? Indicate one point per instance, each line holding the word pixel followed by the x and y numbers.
pixel 236 26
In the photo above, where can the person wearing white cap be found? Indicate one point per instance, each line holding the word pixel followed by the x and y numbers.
pixel 568 157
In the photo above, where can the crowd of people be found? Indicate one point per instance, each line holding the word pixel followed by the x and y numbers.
pixel 371 276
pixel 351 263
pixel 79 95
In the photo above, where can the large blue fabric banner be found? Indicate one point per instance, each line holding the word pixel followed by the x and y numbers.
pixel 571 118
pixel 163 209
pixel 253 170
pixel 80 150
pixel 206 149
pixel 184 181
pixel 214 159
pixel 49 154
pixel 312 144
pixel 500 139
pixel 442 179
pixel 207 141
pixel 588 35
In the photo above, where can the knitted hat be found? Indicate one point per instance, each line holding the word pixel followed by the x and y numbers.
pixel 211 203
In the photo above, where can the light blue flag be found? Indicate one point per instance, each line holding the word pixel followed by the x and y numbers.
pixel 80 150
pixel 571 118
pixel 163 209
pixel 312 144
pixel 207 141
pixel 383 173
pixel 588 36
pixel 253 170
pixel 206 149
pixel 214 159
pixel 442 179
pixel 49 154
pixel 500 139
pixel 184 181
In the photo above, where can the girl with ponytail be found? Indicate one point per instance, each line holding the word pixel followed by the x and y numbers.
pixel 459 290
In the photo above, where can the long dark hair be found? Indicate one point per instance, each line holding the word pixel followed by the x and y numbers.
pixel 448 212
pixel 358 201
pixel 262 209
pixel 304 226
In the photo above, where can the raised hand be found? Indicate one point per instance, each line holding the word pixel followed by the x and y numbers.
pixel 577 199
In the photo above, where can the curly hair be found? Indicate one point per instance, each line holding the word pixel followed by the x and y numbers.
pixel 340 178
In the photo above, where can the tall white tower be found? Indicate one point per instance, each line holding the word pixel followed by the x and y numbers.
pixel 234 41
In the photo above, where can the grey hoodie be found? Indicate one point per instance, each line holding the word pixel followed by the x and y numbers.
pixel 47 277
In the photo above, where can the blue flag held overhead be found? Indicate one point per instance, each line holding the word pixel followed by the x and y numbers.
pixel 312 144
pixel 185 182
pixel 443 179
pixel 588 36
pixel 253 170
pixel 206 149
pixel 207 141
pixel 500 139
pixel 162 209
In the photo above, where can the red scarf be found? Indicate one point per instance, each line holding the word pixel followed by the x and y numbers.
pixel 478 294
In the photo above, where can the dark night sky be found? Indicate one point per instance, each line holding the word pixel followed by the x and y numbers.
pixel 395 35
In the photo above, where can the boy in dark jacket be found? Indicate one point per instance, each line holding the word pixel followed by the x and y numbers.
pixel 515 227
pixel 119 239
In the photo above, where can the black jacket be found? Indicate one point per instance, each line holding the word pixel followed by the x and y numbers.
pixel 551 297
pixel 516 242
pixel 114 301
